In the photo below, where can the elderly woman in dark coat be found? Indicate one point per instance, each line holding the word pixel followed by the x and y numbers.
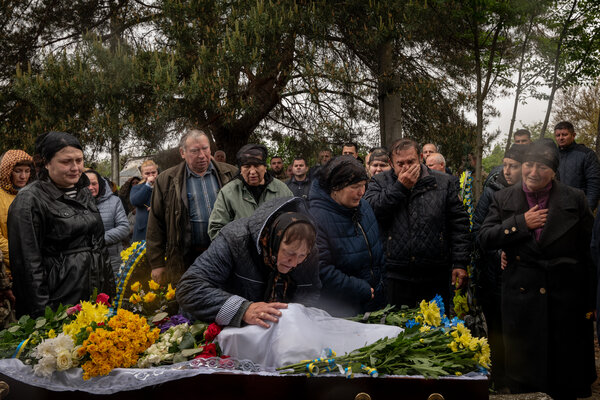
pixel 351 261
pixel 254 266
pixel 548 286
pixel 55 233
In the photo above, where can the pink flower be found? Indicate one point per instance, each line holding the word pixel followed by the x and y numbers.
pixel 211 332
pixel 103 299
pixel 74 309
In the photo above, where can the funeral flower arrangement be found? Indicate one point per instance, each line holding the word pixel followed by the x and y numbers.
pixel 99 339
pixel 430 345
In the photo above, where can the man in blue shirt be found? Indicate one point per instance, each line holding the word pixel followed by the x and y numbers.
pixel 182 201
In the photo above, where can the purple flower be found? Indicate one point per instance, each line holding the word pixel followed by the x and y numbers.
pixel 172 321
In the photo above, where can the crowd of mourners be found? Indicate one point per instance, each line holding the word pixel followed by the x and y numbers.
pixel 240 242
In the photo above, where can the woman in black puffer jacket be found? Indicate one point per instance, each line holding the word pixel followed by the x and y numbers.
pixel 56 236
pixel 351 260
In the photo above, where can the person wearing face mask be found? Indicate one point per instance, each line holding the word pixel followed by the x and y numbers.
pixel 424 225
pixel 254 267
pixel 544 228
pixel 55 233
pixel 116 225
pixel 252 187
pixel 351 261
pixel 488 263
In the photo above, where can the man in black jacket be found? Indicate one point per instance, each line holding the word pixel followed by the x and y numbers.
pixel 425 227
pixel 300 182
pixel 579 166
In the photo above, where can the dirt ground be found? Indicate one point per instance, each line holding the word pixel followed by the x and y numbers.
pixel 543 396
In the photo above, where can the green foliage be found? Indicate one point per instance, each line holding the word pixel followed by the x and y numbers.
pixel 32 330
pixel 494 159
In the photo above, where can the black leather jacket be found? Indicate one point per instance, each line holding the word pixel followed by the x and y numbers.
pixel 57 250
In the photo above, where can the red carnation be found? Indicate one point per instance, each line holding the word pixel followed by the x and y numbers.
pixel 210 350
pixel 211 332
pixel 103 299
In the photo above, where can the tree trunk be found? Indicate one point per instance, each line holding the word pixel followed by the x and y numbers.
pixel 390 101
pixel 230 141
pixel 519 88
pixel 115 166
pixel 598 136
pixel 555 84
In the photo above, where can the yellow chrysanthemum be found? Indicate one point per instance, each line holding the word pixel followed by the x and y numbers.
pixel 120 347
pixel 135 298
pixel 149 297
pixel 170 293
pixel 153 285
pixel 51 334
pixel 424 328
pixel 89 313
pixel 136 287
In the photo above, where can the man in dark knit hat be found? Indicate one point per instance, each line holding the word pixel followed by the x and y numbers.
pixel 252 187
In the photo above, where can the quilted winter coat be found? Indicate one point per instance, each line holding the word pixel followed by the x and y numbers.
pixel 423 226
pixel 116 226
pixel 224 280
pixel 351 260
pixel 579 168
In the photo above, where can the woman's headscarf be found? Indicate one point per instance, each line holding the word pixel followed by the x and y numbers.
pixel 340 172
pixel 9 160
pixel 543 151
pixel 270 241
pixel 101 182
pixel 48 144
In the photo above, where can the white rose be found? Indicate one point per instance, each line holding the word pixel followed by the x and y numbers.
pixel 64 360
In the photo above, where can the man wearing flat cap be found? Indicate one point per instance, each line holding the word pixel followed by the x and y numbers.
pixel 182 201
pixel 251 188
pixel 425 227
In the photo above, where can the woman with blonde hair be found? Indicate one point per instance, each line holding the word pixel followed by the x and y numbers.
pixel 140 197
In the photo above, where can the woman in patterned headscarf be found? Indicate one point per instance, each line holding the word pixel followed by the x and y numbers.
pixel 16 171
pixel 254 266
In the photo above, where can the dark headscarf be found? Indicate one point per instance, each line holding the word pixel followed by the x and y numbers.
pixel 253 154
pixel 543 151
pixel 270 241
pixel 101 183
pixel 340 172
pixel 48 144
pixel 517 152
